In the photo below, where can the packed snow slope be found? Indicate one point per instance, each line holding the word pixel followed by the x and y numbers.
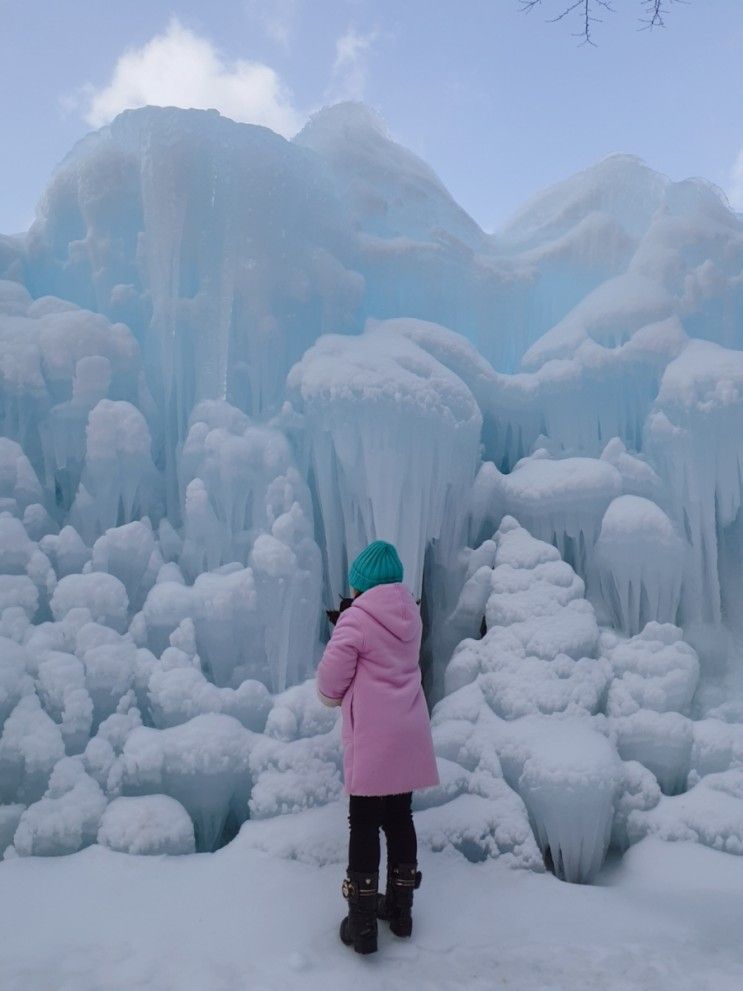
pixel 228 361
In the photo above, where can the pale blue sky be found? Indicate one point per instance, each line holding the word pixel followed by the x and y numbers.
pixel 498 102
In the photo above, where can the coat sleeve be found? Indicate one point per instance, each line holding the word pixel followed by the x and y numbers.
pixel 337 668
pixel 327 701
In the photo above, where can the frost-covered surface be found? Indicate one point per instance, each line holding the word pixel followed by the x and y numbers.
pixel 227 361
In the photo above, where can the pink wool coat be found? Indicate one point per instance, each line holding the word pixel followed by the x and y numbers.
pixel 370 668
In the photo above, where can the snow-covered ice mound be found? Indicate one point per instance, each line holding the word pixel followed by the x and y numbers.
pixel 694 435
pixel 66 818
pixel 655 669
pixel 203 764
pixel 711 813
pixel 537 659
pixel 640 561
pixel 151 824
pixel 535 690
pixel 533 606
pixel 569 777
pixel 375 407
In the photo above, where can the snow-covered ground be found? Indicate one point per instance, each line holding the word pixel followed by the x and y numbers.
pixel 667 918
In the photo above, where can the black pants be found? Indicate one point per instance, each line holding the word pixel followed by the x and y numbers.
pixel 365 816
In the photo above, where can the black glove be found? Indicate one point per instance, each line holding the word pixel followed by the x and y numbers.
pixel 333 614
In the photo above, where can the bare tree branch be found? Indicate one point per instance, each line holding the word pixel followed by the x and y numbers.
pixel 653 11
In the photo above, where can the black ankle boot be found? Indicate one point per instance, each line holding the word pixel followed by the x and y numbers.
pixel 396 904
pixel 359 928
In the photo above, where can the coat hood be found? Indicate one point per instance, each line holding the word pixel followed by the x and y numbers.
pixel 394 608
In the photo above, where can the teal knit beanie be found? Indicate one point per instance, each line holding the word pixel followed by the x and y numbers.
pixel 377 564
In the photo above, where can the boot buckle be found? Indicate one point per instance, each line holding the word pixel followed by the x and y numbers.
pixel 348 888
pixel 410 879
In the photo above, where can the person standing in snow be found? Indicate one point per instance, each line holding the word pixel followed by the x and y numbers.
pixel 370 668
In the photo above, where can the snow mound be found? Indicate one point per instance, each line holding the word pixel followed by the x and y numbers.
pixel 656 669
pixel 291 777
pixel 479 827
pixel 66 819
pixel 177 694
pixel 711 813
pixel 102 594
pixel 316 836
pixel 203 764
pixel 150 824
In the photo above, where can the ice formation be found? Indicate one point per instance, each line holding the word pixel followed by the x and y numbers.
pixel 640 561
pixel 709 813
pixel 377 406
pixel 531 685
pixel 203 763
pixel 151 824
pixel 228 360
pixel 692 433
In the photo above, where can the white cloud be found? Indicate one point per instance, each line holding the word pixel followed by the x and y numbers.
pixel 351 65
pixel 735 190
pixel 179 68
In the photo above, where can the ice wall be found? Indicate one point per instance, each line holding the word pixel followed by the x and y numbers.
pixel 220 245
pixel 228 361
